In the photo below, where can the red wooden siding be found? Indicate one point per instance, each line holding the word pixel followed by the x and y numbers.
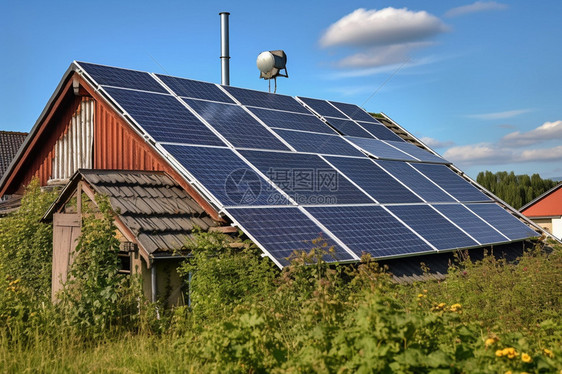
pixel 116 145
pixel 37 160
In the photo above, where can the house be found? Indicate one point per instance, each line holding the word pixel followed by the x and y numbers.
pixel 10 142
pixel 284 170
pixel 546 211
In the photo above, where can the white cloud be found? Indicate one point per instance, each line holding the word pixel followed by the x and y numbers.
pixel 548 154
pixel 482 153
pixel 500 115
pixel 479 6
pixel 381 56
pixel 381 69
pixel 546 131
pixel 434 143
pixel 510 148
pixel 387 26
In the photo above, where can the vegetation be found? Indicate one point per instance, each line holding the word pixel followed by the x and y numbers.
pixel 516 190
pixel 248 317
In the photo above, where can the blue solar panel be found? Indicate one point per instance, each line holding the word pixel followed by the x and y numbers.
pixel 470 223
pixel 110 76
pixel 502 220
pixel 432 226
pixel 380 131
pixel 236 125
pixel 281 231
pixel 266 100
pixel 354 112
pixel 306 178
pixel 292 121
pixel 417 152
pixel 195 89
pixel 348 127
pixel 379 149
pixel 319 143
pixel 164 117
pixel 369 229
pixel 226 176
pixel 322 107
pixel 375 181
pixel 451 182
pixel 415 181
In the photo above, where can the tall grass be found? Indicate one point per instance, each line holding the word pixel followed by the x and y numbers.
pixel 248 317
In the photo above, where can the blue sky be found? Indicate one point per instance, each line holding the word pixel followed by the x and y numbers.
pixel 480 82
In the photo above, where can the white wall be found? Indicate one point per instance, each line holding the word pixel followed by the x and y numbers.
pixel 557 227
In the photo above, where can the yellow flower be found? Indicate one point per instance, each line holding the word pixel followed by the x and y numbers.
pixel 420 295
pixel 548 352
pixel 489 342
pixel 509 352
pixel 508 372
pixel 499 353
pixel 526 358
pixel 455 307
pixel 424 291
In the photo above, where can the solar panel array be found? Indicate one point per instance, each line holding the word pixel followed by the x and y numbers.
pixel 289 171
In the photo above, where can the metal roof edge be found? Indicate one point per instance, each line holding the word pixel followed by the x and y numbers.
pixel 538 198
pixel 66 76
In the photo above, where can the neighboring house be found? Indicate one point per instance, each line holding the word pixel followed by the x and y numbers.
pixel 10 142
pixel 546 211
pixel 173 153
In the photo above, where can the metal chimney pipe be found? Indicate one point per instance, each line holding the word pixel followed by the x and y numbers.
pixel 225 58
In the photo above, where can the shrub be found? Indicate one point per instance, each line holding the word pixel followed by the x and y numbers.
pixel 96 296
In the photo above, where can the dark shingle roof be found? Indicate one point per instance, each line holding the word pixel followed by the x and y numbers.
pixel 10 143
pixel 151 205
pixel 154 208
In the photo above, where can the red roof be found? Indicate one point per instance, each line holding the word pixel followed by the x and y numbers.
pixel 548 204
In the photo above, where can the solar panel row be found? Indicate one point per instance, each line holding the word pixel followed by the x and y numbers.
pixel 405 202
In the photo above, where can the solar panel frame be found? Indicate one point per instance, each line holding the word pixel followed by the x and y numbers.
pixel 164 117
pixel 354 112
pixel 349 128
pixel 370 229
pixel 291 121
pixel 471 223
pixel 436 229
pixel 379 149
pixel 226 176
pixel 319 143
pixel 281 231
pixel 322 107
pixel 307 178
pixel 451 182
pixel 416 181
pixel 380 131
pixel 236 125
pixel 417 152
pixel 195 89
pixel 376 182
pixel 262 99
pixel 123 78
pixel 502 220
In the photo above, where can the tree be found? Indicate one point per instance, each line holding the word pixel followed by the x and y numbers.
pixel 516 190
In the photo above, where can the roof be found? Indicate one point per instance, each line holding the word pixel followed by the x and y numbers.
pixel 546 205
pixel 10 143
pixel 269 162
pixel 150 204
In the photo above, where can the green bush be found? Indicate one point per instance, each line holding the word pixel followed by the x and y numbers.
pixel 96 296
pixel 26 244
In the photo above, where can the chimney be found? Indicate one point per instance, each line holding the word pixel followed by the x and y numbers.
pixel 225 63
